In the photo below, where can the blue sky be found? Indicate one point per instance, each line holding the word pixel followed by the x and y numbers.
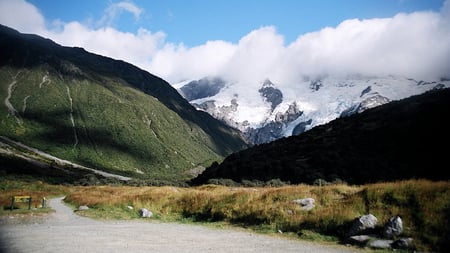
pixel 193 22
pixel 248 40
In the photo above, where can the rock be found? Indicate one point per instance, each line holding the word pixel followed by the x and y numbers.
pixel 83 208
pixel 372 102
pixel 403 243
pixel 360 239
pixel 363 224
pixel 144 213
pixel 394 227
pixel 306 203
pixel 380 244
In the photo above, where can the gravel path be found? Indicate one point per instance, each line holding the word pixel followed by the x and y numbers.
pixel 64 231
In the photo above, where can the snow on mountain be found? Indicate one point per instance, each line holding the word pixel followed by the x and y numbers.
pixel 266 111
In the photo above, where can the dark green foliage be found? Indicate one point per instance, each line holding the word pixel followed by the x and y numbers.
pixel 401 140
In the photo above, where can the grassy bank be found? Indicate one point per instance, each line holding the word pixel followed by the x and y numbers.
pixel 423 205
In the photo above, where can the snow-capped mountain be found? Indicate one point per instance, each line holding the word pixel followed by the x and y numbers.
pixel 266 111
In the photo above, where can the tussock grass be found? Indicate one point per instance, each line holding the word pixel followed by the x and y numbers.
pixel 423 205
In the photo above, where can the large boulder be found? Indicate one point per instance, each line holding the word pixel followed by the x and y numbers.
pixel 363 225
pixel 393 228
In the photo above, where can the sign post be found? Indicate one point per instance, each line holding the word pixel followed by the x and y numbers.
pixel 17 199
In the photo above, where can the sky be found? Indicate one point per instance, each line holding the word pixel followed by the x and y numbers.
pixel 250 40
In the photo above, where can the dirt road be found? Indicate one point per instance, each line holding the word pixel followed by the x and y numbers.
pixel 64 231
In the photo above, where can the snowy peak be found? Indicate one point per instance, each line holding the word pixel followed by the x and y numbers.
pixel 269 110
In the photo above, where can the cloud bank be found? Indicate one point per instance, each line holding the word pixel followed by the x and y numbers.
pixel 415 45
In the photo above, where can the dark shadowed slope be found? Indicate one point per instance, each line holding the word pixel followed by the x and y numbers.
pixel 400 140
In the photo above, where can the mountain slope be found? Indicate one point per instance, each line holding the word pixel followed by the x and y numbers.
pixel 103 113
pixel 399 140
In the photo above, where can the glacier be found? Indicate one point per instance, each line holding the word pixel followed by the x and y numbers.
pixel 265 111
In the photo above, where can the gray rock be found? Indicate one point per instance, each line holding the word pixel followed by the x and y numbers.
pixel 83 208
pixel 205 87
pixel 394 227
pixel 144 213
pixel 301 127
pixel 362 224
pixel 381 244
pixel 403 243
pixel 306 203
pixel 372 102
pixel 271 94
pixel 359 239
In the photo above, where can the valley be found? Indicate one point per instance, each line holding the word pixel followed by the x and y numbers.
pixel 224 126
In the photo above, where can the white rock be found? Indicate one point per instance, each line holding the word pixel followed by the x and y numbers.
pixel 144 213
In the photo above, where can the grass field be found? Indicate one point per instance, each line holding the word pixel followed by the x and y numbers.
pixel 423 205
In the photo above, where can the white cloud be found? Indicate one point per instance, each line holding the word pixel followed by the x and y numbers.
pixel 136 48
pixel 22 16
pixel 177 63
pixel 415 45
pixel 114 10
pixel 257 54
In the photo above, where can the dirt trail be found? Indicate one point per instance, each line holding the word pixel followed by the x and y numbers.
pixel 58 160
pixel 64 231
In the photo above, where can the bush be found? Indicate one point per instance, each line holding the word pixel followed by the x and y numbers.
pixel 222 181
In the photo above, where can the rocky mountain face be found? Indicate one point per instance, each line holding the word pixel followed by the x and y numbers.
pixel 268 111
pixel 103 113
pixel 403 139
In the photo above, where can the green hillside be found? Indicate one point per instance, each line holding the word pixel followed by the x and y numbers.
pixel 102 113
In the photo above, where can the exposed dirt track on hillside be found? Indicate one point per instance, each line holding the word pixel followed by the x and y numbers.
pixel 5 140
pixel 64 231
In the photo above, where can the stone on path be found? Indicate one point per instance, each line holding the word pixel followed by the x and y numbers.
pixel 144 213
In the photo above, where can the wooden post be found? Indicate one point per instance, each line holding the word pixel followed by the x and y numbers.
pixel 44 202
pixel 12 203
